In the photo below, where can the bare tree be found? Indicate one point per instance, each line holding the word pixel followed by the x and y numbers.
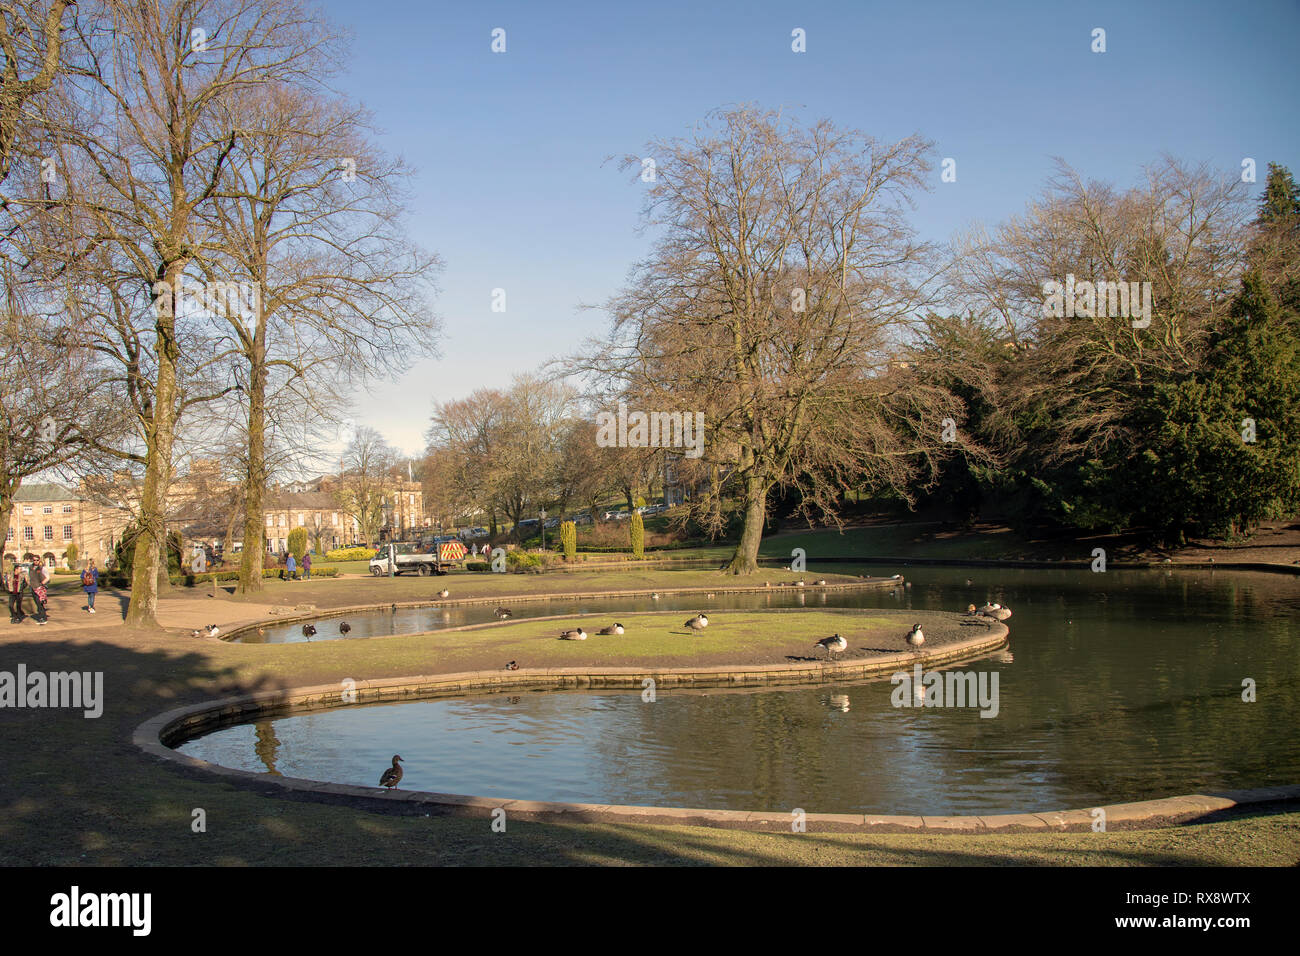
pixel 31 41
pixel 364 481
pixel 785 274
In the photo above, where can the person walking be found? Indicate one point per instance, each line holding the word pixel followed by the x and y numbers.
pixel 291 566
pixel 90 584
pixel 15 581
pixel 306 566
pixel 37 579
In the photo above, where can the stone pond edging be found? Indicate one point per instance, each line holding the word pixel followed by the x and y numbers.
pixel 156 735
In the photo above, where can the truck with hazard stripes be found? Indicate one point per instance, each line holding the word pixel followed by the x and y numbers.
pixel 432 556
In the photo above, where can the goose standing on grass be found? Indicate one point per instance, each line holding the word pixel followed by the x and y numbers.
pixel 308 630
pixel 833 645
pixel 698 623
pixel 345 628
pixel 915 636
pixel 502 613
pixel 573 634
pixel 393 775
pixel 614 628
pixel 512 666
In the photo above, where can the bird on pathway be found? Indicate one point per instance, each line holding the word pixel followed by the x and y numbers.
pixel 345 628
pixel 915 637
pixel 393 775
pixel 698 623
pixel 196 633
pixel 502 613
pixel 444 593
pixel 996 611
pixel 832 644
pixel 308 630
pixel 212 630
pixel 615 628
pixel 573 634
pixel 512 666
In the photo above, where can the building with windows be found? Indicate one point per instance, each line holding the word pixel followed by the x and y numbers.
pixel 46 518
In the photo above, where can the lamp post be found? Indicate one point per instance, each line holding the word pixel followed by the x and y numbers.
pixel 542 513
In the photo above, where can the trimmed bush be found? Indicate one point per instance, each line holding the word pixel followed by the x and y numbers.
pixel 297 543
pixel 349 554
pixel 636 534
pixel 70 554
pixel 569 537
pixel 192 580
pixel 478 566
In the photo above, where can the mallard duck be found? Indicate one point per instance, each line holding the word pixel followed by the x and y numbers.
pixel 512 666
pixel 502 613
pixel 612 629
pixel 444 593
pixel 698 623
pixel 915 636
pixel 308 630
pixel 573 634
pixel 345 628
pixel 832 644
pixel 393 775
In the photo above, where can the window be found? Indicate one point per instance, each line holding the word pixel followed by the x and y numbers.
pixel 10 535
pixel 49 532
pixel 67 509
pixel 47 510
pixel 67 532
pixel 269 521
pixel 27 509
pixel 29 534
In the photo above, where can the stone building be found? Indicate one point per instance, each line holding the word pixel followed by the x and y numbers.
pixel 46 518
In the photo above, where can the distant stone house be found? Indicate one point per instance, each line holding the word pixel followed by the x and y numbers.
pixel 46 518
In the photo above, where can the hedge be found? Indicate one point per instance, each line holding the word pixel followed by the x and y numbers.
pixel 350 554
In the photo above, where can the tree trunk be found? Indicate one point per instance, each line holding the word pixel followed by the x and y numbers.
pixel 745 560
pixel 253 560
pixel 151 543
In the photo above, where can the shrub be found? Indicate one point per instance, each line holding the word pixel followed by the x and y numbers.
pixel 569 537
pixel 297 543
pixel 636 533
pixel 350 554
pixel 190 580
pixel 523 562
pixel 70 553
pixel 478 566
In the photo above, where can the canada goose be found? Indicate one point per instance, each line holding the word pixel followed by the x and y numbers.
pixel 345 628
pixel 444 593
pixel 996 611
pixel 821 583
pixel 799 583
pixel 615 628
pixel 573 634
pixel 915 637
pixel 502 613
pixel 512 666
pixel 393 775
pixel 308 630
pixel 212 630
pixel 832 644
pixel 698 623
pixel 767 584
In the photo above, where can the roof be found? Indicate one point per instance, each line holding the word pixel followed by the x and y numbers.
pixel 45 492
pixel 300 500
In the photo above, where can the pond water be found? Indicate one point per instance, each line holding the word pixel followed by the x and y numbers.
pixel 1119 686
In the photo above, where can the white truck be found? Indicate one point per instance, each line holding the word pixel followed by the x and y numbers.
pixel 421 558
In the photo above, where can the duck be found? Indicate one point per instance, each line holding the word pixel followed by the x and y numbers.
pixel 393 608
pixel 698 623
pixel 502 613
pixel 393 775
pixel 573 634
pixel 996 611
pixel 196 633
pixel 308 630
pixel 614 628
pixel 444 593
pixel 915 636
pixel 345 628
pixel 654 595
pixel 512 666
pixel 832 644
pixel 212 630
pixel 821 582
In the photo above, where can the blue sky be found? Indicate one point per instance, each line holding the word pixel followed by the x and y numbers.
pixel 514 191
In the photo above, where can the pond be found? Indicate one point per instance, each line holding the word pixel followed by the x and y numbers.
pixel 1116 687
